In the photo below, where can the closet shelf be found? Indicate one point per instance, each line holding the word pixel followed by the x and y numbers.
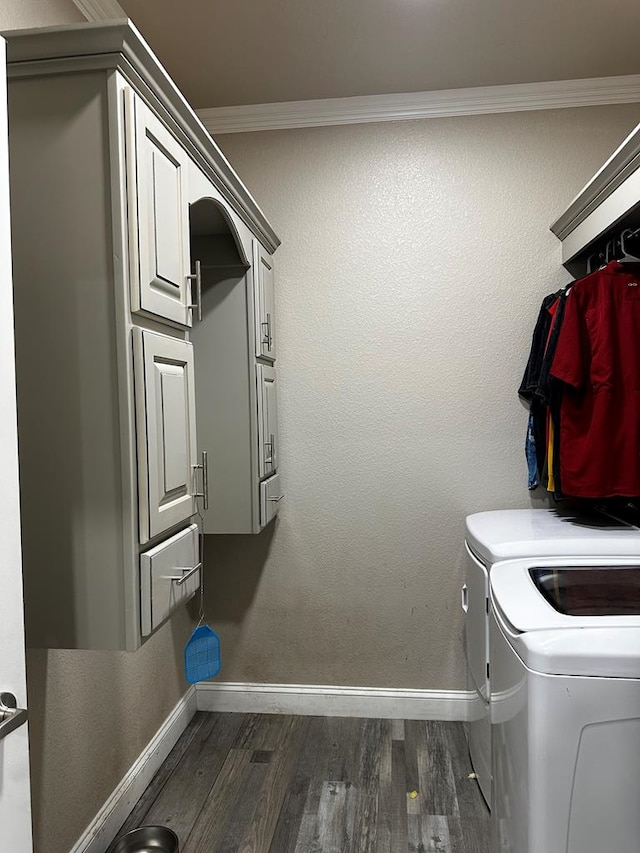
pixel 610 201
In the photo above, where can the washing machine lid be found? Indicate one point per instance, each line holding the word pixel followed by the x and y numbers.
pixel 558 593
pixel 512 533
pixel 576 617
pixel 590 652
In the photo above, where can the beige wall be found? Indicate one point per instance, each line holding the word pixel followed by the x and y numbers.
pixel 414 258
pixel 91 713
pixel 18 14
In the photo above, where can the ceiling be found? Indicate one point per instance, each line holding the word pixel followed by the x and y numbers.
pixel 254 51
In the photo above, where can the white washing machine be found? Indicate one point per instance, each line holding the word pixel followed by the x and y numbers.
pixel 508 534
pixel 565 706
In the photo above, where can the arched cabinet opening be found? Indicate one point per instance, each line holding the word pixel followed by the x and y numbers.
pixel 235 389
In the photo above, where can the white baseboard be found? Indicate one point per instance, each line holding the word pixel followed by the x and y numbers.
pixel 335 701
pixel 102 829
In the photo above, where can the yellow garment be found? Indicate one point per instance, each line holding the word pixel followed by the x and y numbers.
pixel 551 485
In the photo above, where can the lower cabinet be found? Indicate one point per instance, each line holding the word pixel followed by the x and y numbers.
pixel 169 576
pixel 166 431
pixel 270 497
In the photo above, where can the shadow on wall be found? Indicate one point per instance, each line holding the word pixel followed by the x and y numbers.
pixel 90 715
pixel 233 567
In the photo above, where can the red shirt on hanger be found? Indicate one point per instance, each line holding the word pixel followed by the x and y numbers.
pixel 598 357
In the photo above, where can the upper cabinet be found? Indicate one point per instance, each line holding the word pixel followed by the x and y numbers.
pixel 235 393
pixel 144 295
pixel 265 304
pixel 158 216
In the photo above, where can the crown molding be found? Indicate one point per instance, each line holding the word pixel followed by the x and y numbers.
pixel 480 100
pixel 101 10
pixel 119 46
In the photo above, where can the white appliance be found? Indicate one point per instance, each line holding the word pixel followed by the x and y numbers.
pixel 508 534
pixel 565 705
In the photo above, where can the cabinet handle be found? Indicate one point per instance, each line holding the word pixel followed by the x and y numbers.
pixel 465 597
pixel 197 302
pixel 276 500
pixel 187 573
pixel 267 337
pixel 272 451
pixel 10 715
pixel 204 466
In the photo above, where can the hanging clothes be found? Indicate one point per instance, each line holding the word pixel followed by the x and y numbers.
pixel 539 389
pixel 529 390
pixel 550 392
pixel 598 359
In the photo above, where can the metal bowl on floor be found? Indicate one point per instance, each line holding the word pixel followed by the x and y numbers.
pixel 147 839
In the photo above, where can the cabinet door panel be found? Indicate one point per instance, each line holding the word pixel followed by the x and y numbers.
pixel 267 420
pixel 165 393
pixel 173 424
pixel 265 304
pixel 158 203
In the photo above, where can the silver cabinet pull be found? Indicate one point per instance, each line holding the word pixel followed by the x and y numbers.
pixel 464 594
pixel 204 466
pixel 276 500
pixel 11 717
pixel 187 574
pixel 269 457
pixel 197 302
pixel 267 337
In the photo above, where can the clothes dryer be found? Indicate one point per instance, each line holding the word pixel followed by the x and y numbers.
pixel 565 705
pixel 508 534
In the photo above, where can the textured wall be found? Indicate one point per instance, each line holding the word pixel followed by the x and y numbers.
pixel 90 716
pixel 18 14
pixel 414 259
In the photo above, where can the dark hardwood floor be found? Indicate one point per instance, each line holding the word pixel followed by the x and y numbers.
pixel 267 783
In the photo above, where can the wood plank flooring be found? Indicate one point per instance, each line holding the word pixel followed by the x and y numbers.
pixel 268 783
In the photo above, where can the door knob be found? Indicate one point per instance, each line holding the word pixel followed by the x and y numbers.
pixel 10 715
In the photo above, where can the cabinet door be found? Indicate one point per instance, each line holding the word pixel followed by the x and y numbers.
pixel 270 497
pixel 159 217
pixel 166 427
pixel 265 304
pixel 267 420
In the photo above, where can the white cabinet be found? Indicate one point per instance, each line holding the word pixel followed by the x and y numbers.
pixel 166 429
pixel 158 216
pixel 264 304
pixel 267 420
pixel 107 393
